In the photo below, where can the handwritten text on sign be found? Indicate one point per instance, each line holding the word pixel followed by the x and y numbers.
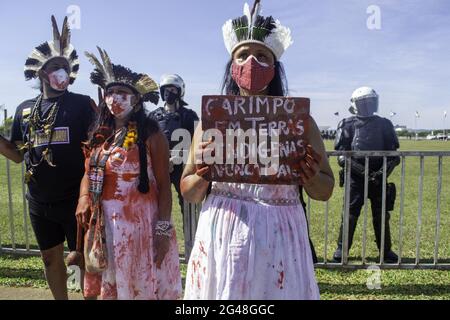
pixel 257 139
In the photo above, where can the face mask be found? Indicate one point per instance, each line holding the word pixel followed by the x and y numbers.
pixel 119 105
pixel 252 75
pixel 171 97
pixel 59 80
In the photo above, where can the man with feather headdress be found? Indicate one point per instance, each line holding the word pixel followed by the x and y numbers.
pixel 47 133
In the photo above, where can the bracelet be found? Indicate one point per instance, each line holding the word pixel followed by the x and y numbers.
pixel 167 234
pixel 84 195
pixel 164 228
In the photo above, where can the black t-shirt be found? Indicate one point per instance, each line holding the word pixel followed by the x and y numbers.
pixel 73 121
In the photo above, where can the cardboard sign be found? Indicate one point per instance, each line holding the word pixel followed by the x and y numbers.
pixel 256 139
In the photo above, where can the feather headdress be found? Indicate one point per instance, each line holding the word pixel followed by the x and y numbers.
pixel 107 74
pixel 254 28
pixel 59 47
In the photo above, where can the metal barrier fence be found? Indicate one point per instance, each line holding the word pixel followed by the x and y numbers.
pixel 322 240
pixel 24 247
pixel 418 263
pixel 437 262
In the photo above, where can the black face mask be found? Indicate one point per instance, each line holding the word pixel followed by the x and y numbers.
pixel 171 97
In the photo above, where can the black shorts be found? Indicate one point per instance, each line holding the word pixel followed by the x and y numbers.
pixel 54 223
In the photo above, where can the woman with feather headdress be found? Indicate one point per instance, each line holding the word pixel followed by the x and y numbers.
pixel 130 248
pixel 252 240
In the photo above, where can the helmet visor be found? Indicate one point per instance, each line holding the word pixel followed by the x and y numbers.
pixel 366 107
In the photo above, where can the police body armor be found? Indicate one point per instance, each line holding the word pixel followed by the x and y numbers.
pixel 368 134
pixel 168 122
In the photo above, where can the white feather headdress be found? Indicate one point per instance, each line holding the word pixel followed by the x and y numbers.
pixel 253 28
pixel 59 47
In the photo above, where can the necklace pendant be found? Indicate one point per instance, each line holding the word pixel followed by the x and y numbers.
pixel 24 146
pixel 28 176
pixel 48 157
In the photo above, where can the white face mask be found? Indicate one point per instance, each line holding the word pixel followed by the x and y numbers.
pixel 119 105
pixel 59 80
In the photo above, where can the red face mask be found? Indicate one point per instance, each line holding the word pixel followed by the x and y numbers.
pixel 252 75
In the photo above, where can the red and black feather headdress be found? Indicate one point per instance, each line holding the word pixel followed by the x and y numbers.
pixel 107 74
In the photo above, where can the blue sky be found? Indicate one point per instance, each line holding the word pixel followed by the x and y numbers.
pixel 407 61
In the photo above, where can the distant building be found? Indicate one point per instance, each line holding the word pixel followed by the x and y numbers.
pixel 400 128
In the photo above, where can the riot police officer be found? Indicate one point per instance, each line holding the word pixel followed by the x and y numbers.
pixel 174 115
pixel 368 132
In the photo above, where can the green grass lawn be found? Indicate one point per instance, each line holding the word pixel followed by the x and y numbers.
pixel 336 284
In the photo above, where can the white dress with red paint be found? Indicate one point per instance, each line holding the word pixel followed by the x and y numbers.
pixel 130 219
pixel 252 243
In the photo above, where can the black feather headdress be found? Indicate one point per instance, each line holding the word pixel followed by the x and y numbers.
pixel 107 74
pixel 60 47
pixel 252 27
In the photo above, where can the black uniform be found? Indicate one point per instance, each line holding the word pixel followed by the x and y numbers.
pixel 53 191
pixel 183 118
pixel 368 134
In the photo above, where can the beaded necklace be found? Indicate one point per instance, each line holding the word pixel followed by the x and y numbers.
pixel 131 137
pixel 125 137
pixel 40 124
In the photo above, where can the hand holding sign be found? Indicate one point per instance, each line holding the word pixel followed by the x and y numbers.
pixel 310 165
pixel 201 168
pixel 257 139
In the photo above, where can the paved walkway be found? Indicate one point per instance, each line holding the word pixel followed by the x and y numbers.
pixel 7 293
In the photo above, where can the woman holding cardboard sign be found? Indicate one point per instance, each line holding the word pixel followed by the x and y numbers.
pixel 252 239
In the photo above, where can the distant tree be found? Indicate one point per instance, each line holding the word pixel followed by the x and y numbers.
pixel 6 126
